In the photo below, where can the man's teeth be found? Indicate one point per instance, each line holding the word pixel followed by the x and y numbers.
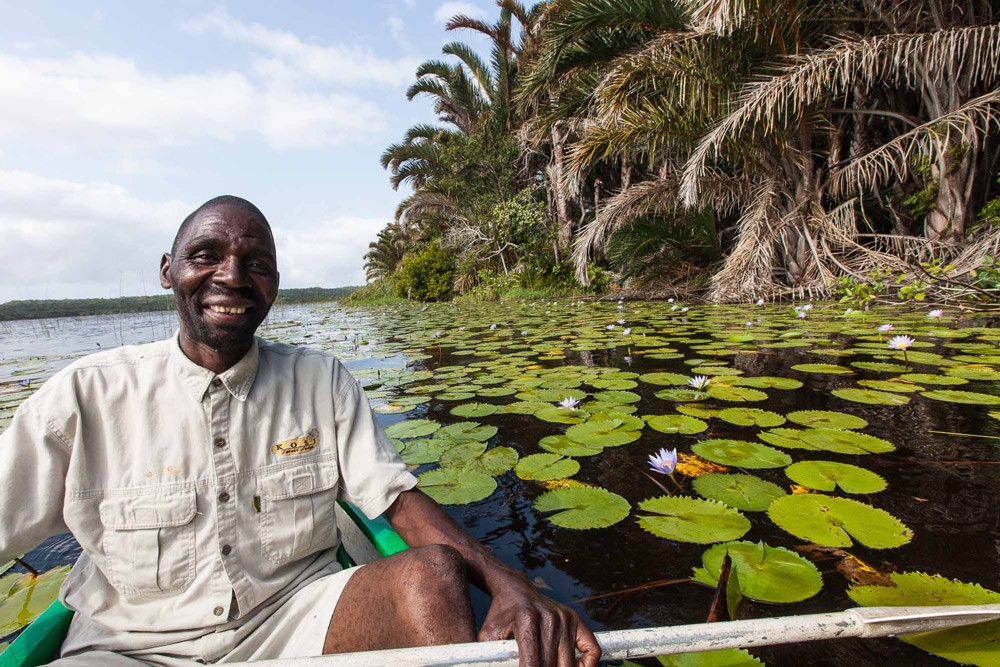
pixel 228 311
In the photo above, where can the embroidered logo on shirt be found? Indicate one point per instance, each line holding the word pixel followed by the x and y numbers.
pixel 300 445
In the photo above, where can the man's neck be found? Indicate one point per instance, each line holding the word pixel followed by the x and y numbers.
pixel 211 359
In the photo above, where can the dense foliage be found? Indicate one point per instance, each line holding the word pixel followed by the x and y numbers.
pixel 751 147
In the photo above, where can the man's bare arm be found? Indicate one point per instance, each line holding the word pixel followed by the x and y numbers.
pixel 547 632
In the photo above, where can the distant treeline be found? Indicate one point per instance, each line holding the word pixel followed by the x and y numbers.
pixel 40 309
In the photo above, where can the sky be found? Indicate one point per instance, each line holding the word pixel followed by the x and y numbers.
pixel 117 119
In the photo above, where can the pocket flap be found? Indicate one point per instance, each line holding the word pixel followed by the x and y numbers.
pixel 298 481
pixel 154 510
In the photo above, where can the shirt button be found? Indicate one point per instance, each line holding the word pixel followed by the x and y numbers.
pixel 218 611
pixel 223 497
pixel 226 550
pixel 216 382
pixel 220 442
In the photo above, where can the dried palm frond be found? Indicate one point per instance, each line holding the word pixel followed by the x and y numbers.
pixel 746 272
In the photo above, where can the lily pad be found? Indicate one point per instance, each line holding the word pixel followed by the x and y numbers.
pixel 604 433
pixel 838 522
pixel 674 424
pixel 964 397
pixel 741 454
pixel 827 369
pixel 557 415
pixel 971 645
pixel 892 385
pixel 681 395
pixel 928 378
pixel 751 417
pixel 664 378
pixel 474 410
pixel 735 394
pixel 828 475
pixel 692 520
pixel 766 573
pixel 618 396
pixel 30 598
pixel 826 419
pixel 412 428
pixel 845 442
pixel 870 396
pixel 726 657
pixel 743 492
pixel 456 486
pixel 474 457
pixel 465 431
pixel 973 372
pixel 544 467
pixel 560 444
pixel 426 450
pixel 582 508
pixel 766 382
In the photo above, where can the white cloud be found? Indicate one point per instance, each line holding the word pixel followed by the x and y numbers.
pixel 294 60
pixel 83 99
pixel 397 28
pixel 449 9
pixel 67 239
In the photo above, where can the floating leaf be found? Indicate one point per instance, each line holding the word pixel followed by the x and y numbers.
pixel 927 378
pixel 735 394
pixel 766 573
pixel 830 369
pixel 696 410
pixel 473 410
pixel 690 465
pixel 583 508
pixel 674 424
pixel 741 454
pixel 551 413
pixel 751 417
pixel 972 645
pixel 664 378
pixel 456 486
pixel 964 397
pixel 604 433
pixel 412 428
pixel 881 366
pixel 838 522
pixel 618 396
pixel 870 396
pixel 464 431
pixel 826 419
pixel 543 467
pixel 692 520
pixel 845 442
pixel 853 568
pixel 427 450
pixel 30 598
pixel 974 372
pixel 743 492
pixel 560 444
pixel 474 457
pixel 892 385
pixel 494 392
pixel 681 395
pixel 766 382
pixel 727 657
pixel 828 475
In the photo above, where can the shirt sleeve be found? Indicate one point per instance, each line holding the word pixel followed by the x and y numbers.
pixel 34 460
pixel 371 472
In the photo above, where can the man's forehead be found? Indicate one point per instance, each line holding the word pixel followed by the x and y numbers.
pixel 224 222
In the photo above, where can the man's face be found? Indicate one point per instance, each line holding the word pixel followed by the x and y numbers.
pixel 224 276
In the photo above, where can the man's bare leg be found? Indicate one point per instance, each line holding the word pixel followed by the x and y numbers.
pixel 419 597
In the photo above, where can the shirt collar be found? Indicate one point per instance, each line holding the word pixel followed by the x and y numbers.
pixel 237 380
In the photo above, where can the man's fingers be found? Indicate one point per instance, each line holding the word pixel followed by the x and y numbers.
pixel 587 643
pixel 490 632
pixel 529 647
pixel 567 643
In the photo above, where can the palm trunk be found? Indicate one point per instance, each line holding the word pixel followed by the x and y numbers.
pixel 955 172
pixel 557 177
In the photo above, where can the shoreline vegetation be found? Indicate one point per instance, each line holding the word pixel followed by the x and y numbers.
pixel 50 308
pixel 845 151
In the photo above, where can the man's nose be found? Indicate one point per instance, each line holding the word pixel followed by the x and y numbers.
pixel 232 273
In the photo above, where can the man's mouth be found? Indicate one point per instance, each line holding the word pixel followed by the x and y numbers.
pixel 228 310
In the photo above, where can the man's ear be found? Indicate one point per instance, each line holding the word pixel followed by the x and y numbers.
pixel 165 271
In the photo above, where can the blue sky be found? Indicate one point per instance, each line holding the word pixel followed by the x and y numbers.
pixel 119 118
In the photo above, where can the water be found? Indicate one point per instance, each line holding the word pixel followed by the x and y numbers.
pixel 942 486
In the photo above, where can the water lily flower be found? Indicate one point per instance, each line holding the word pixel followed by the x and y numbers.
pixel 674 307
pixel 885 328
pixel 436 334
pixel 493 327
pixel 684 309
pixel 748 324
pixel 627 332
pixel 808 306
pixel 935 314
pixel 670 300
pixel 627 359
pixel 610 327
pixel 461 328
pixel 621 307
pixel 699 382
pixel 900 342
pixel 848 311
pixel 524 333
pixel 760 301
pixel 569 403
pixel 664 461
pixel 801 315
pixel 622 321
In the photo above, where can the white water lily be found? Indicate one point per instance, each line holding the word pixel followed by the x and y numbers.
pixel 610 327
pixel 885 328
pixel 935 314
pixel 700 382
pixel 493 327
pixel 569 403
pixel 622 322
pixel 760 301
pixel 900 342
pixel 627 332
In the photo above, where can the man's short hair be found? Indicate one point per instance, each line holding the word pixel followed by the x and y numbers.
pixel 222 200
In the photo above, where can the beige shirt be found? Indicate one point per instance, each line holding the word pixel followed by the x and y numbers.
pixel 188 491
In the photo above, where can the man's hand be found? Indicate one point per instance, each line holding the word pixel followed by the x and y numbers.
pixel 547 632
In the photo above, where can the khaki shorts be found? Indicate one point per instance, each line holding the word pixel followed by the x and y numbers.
pixel 292 626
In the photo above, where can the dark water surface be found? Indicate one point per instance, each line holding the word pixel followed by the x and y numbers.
pixel 944 487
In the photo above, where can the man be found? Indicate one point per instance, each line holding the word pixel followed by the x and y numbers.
pixel 199 474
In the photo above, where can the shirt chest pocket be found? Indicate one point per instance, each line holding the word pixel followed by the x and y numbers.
pixel 149 542
pixel 297 511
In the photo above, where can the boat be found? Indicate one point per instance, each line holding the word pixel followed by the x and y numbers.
pixel 362 541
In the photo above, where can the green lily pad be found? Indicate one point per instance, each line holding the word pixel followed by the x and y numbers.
pixel 495 392
pixel 964 397
pixel 766 573
pixel 426 450
pixel 582 508
pixel 681 395
pixel 970 645
pixel 454 396
pixel 523 407
pixel 974 372
pixel 674 424
pixel 838 522
pixel 726 657
pixel 880 366
pixel 618 396
pixel 560 444
pixel 474 410
pixel 845 442
pixel 741 454
pixel 766 382
pixel 615 385
pixel 692 520
pixel 664 378
pixel 557 415
pixel 30 598
pixel 696 410
pixel 743 492
pixel 828 475
pixel 456 486
pixel 412 428
pixel 870 396
pixel 735 394
pixel 891 386
pixel 464 431
pixel 604 433
pixel 474 457
pixel 827 369
pixel 543 467
pixel 826 419
pixel 927 378
pixel 751 417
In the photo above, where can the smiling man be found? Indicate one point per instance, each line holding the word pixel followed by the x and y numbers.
pixel 200 475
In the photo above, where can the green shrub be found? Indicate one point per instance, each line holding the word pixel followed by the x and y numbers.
pixel 427 275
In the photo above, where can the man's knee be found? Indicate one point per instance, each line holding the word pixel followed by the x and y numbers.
pixel 438 564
